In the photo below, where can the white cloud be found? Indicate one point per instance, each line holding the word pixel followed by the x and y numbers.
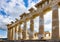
pixel 48 27
pixel 48 21
pixel 4 21
pixel 31 3
pixel 48 17
pixel 36 24
pixel 14 8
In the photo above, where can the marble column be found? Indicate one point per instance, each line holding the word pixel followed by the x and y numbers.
pixel 11 34
pixel 31 35
pixel 25 31
pixel 15 32
pixel 41 26
pixel 55 22
pixel 19 32
pixel 8 34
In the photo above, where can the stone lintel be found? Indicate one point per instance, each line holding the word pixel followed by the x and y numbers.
pixel 40 3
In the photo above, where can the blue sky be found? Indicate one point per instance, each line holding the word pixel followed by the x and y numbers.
pixel 11 9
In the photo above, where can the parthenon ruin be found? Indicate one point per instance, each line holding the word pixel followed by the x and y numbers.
pixel 43 6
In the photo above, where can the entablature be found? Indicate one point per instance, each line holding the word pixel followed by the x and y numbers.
pixel 33 13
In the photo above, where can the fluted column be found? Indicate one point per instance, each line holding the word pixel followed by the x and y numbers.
pixel 15 32
pixel 8 34
pixel 19 32
pixel 31 36
pixel 41 26
pixel 55 22
pixel 11 35
pixel 25 31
